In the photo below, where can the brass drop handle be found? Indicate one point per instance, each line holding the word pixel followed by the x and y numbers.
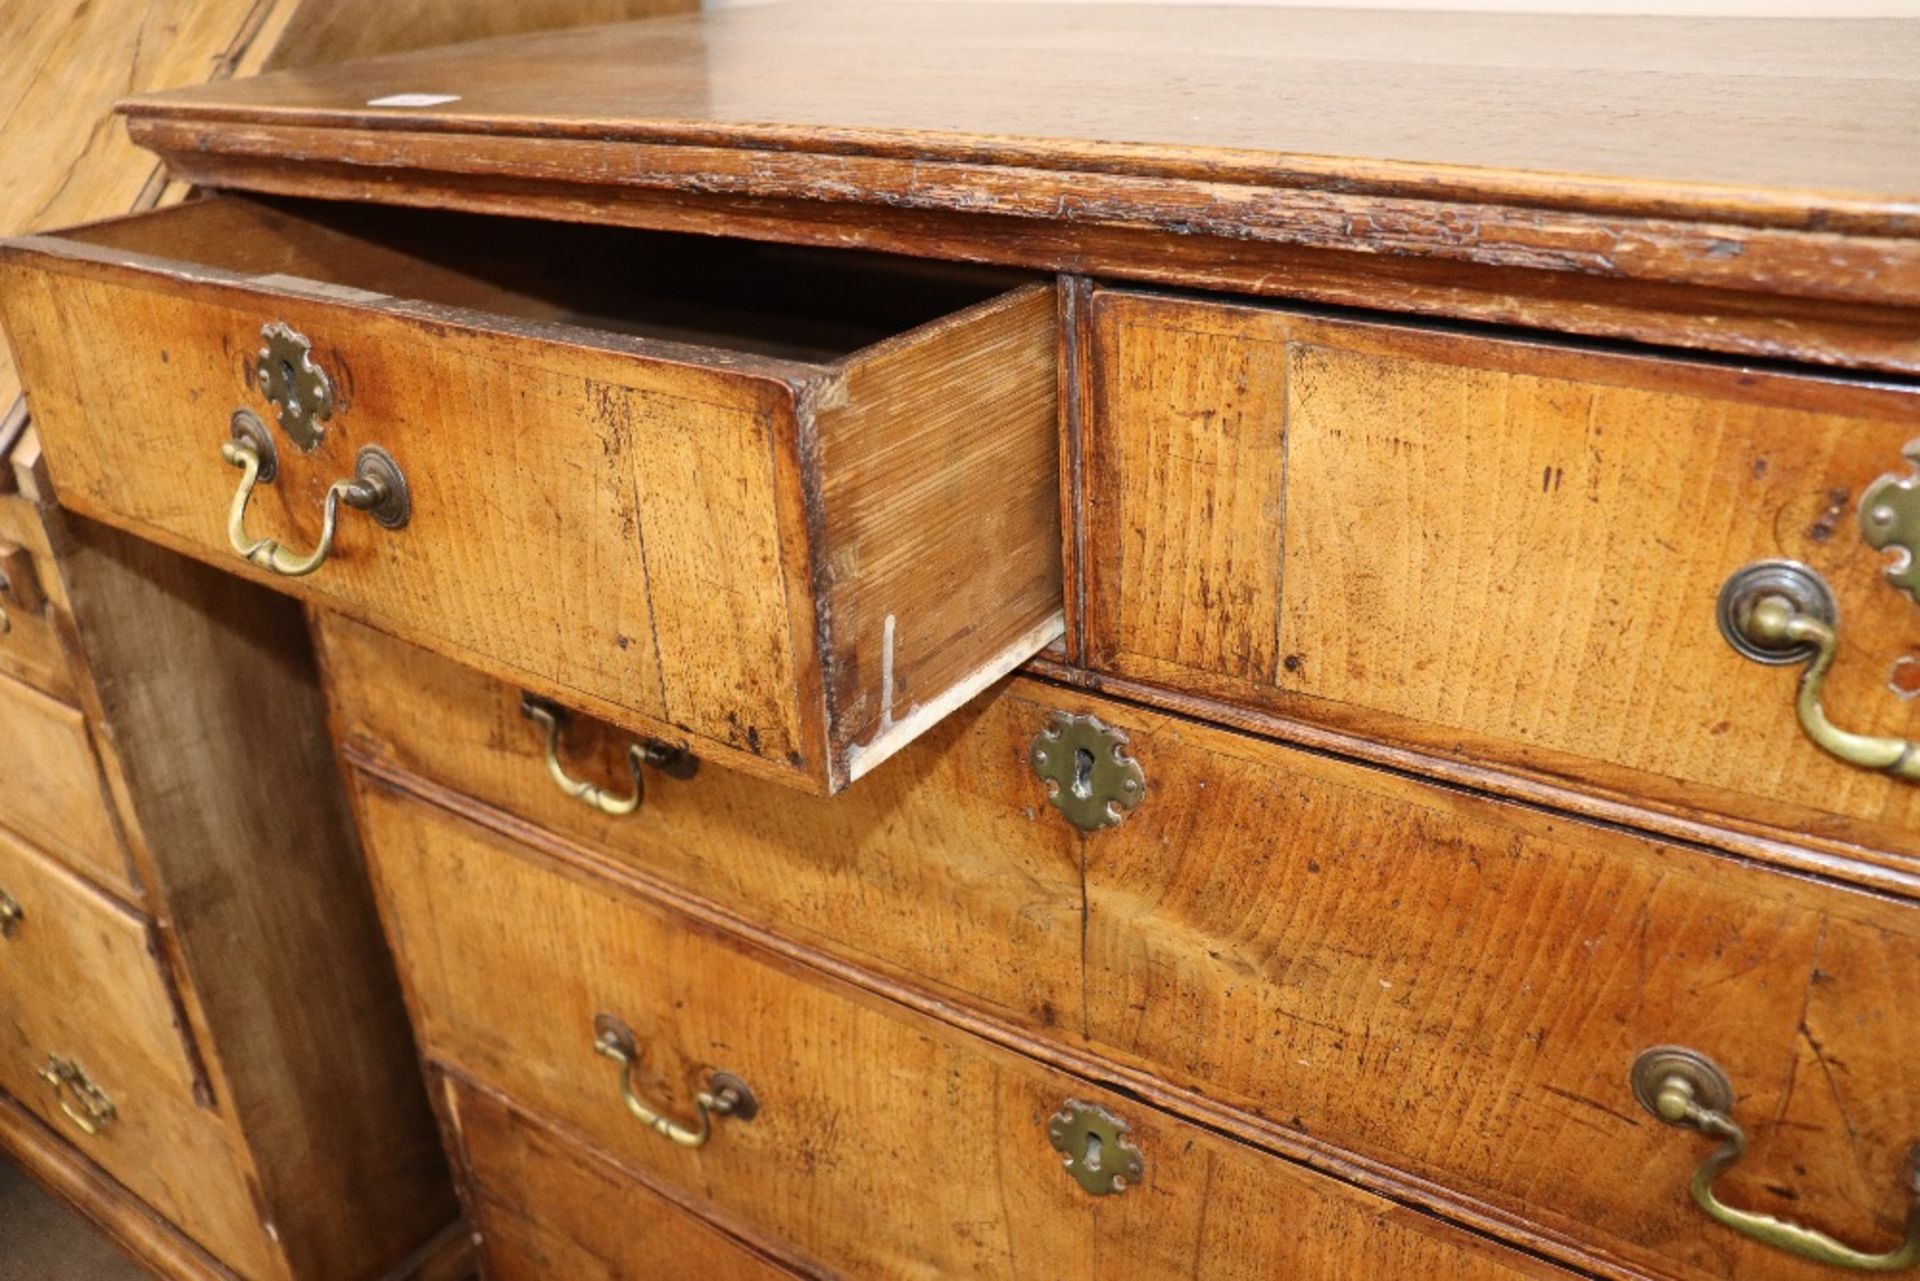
pixel 726 1095
pixel 377 488
pixel 1782 612
pixel 11 914
pixel 85 1104
pixel 551 718
pixel 1682 1087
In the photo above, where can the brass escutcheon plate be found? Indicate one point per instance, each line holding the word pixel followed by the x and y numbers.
pixel 1089 776
pixel 1094 1148
pixel 300 390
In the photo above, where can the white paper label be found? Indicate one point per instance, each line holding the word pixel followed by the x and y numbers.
pixel 414 100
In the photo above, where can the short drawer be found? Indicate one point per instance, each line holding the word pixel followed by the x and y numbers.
pixel 788 506
pixel 1502 550
pixel 30 645
pixel 51 791
pixel 92 1042
pixel 549 1208
pixel 1459 988
pixel 884 1144
pixel 943 854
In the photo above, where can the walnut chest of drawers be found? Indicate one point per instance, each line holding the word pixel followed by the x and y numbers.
pixel 1085 642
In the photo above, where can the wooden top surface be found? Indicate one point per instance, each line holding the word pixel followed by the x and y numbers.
pixel 1795 123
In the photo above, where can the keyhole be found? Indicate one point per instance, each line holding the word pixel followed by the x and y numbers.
pixel 1082 773
pixel 1090 1158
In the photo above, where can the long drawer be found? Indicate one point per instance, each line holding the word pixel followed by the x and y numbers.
pixel 1505 551
pixel 878 1143
pixel 791 506
pixel 1440 984
pixel 91 1041
pixel 1460 988
pixel 51 791
pixel 943 854
pixel 548 1208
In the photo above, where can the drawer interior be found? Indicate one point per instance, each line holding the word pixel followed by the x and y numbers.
pixel 780 507
pixel 738 295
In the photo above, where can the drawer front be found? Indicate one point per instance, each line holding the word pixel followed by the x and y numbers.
pixel 1458 988
pixel 885 1145
pixel 796 565
pixel 1499 550
pixel 85 999
pixel 50 786
pixel 548 1208
pixel 30 648
pixel 1274 929
pixel 942 854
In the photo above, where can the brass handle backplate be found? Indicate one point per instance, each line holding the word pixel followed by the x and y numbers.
pixel 726 1095
pixel 1890 522
pixel 377 488
pixel 85 1104
pixel 1682 1087
pixel 1778 611
pixel 551 718
pixel 11 914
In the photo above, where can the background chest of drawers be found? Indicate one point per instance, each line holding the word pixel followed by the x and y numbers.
pixel 202 1046
pixel 1391 859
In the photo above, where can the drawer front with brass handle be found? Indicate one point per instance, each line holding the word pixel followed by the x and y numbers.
pixel 883 1144
pixel 1267 926
pixel 544 1206
pixel 1504 551
pixel 51 791
pixel 784 507
pixel 939 854
pixel 1459 988
pixel 91 1041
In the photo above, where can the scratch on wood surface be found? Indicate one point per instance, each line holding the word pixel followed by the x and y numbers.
pixel 886 674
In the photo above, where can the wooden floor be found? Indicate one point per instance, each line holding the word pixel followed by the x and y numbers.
pixel 42 1240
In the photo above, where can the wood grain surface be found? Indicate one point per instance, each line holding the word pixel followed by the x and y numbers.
pixel 51 791
pixel 63 156
pixel 220 752
pixel 1608 175
pixel 1456 987
pixel 129 1039
pixel 545 1205
pixel 31 647
pixel 123 1218
pixel 940 853
pixel 855 1093
pixel 793 563
pixel 1785 116
pixel 1270 933
pixel 1507 552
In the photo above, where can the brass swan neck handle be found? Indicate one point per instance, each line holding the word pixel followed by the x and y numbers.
pixel 377 487
pixel 1682 1087
pixel 1782 612
pixel 725 1096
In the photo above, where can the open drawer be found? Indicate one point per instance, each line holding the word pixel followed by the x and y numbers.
pixel 780 507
